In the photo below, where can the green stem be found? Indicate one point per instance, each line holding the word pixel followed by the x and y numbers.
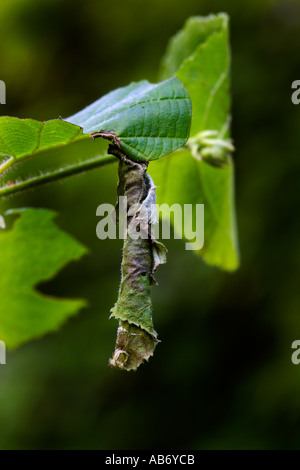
pixel 6 164
pixel 74 169
pixel 136 337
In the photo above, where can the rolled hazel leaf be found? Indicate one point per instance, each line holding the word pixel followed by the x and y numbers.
pixel 136 337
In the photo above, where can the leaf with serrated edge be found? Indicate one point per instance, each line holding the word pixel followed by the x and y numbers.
pixel 22 139
pixel 149 120
pixel 34 250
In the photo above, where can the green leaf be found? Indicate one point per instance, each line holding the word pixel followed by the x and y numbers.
pixel 201 184
pixel 199 55
pixel 34 250
pixel 148 121
pixel 21 139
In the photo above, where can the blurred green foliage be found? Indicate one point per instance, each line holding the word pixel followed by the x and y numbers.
pixel 222 376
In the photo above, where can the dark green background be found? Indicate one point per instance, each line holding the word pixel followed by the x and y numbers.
pixel 222 377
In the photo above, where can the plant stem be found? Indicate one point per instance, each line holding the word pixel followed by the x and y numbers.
pixel 56 175
pixel 6 164
pixel 136 337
